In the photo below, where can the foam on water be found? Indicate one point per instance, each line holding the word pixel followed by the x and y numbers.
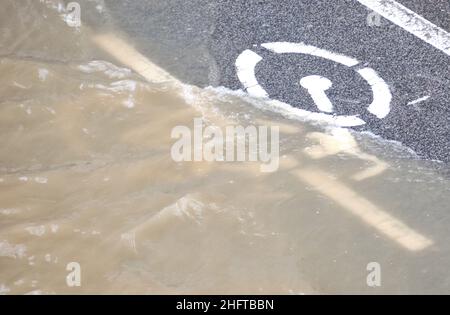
pixel 109 69
pixel 10 250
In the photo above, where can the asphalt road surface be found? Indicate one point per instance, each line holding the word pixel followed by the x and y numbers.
pixel 199 42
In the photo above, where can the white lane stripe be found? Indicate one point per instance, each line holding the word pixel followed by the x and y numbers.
pixel 411 22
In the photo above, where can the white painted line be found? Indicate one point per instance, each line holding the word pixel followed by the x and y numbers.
pixel 130 57
pixel 301 48
pixel 381 104
pixel 245 68
pixel 316 86
pixel 419 100
pixel 411 22
pixel 365 210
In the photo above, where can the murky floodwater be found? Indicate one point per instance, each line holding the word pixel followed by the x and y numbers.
pixel 86 176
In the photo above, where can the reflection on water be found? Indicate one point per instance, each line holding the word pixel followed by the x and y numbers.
pixel 87 177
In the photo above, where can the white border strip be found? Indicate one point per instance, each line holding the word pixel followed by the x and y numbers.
pixel 411 22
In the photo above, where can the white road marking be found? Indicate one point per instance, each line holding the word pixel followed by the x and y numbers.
pixel 129 56
pixel 419 100
pixel 316 86
pixel 245 68
pixel 341 140
pixel 411 22
pixel 362 208
pixel 382 96
pixel 246 65
pixel 301 48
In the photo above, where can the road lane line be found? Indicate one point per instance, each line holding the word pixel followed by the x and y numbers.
pixel 130 57
pixel 411 22
pixel 365 210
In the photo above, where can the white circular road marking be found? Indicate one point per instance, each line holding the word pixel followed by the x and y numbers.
pixel 380 106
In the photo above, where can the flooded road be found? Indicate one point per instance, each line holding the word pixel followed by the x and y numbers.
pixel 87 177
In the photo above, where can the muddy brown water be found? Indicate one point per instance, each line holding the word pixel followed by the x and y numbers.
pixel 86 176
